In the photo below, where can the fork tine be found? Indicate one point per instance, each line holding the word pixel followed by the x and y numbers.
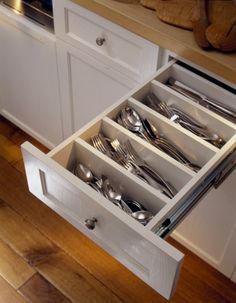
pixel 131 151
pixel 98 144
pixel 119 147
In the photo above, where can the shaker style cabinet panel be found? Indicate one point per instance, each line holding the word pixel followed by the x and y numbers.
pixel 124 51
pixel 185 170
pixel 29 91
pixel 87 86
pixel 98 62
pixel 210 230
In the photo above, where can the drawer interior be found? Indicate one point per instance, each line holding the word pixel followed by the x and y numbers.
pixel 138 246
pixel 80 152
pixel 80 149
pixel 200 84
pixel 171 98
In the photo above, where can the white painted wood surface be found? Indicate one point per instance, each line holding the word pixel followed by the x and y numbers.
pixel 87 86
pixel 124 51
pixel 29 91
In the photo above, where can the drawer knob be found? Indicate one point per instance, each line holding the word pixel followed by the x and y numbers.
pixel 100 41
pixel 90 223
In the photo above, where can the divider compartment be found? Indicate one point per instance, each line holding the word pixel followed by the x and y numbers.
pixel 197 151
pixel 219 126
pixel 80 151
pixel 178 176
pixel 199 84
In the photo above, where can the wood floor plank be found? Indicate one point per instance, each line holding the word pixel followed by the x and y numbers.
pixel 19 165
pixel 193 289
pixel 9 150
pixel 8 294
pixel 39 290
pixel 17 136
pixel 74 281
pixel 206 273
pixel 6 127
pixel 22 237
pixel 12 267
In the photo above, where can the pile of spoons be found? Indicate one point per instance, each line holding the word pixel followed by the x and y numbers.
pixel 129 118
pixel 103 185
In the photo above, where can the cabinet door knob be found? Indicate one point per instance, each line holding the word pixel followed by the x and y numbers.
pixel 90 223
pixel 100 41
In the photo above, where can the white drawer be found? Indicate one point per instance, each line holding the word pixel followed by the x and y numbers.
pixel 125 51
pixel 142 249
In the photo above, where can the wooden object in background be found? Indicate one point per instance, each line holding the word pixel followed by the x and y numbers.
pixel 200 23
pixel 213 22
pixel 149 3
pixel 222 35
pixel 176 12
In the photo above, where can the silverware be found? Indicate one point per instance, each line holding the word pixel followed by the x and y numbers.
pixel 85 174
pixel 178 116
pixel 130 119
pixel 143 216
pixel 203 100
pixel 128 152
pixel 133 208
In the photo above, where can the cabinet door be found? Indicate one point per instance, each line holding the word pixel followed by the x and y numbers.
pixel 213 238
pixel 29 90
pixel 88 86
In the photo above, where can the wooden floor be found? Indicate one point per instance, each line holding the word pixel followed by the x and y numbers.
pixel 45 259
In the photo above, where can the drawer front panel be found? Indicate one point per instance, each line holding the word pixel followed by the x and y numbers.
pixel 149 257
pixel 126 51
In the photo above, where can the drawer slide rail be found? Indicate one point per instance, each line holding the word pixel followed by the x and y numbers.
pixel 219 174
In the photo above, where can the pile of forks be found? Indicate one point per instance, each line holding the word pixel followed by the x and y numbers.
pixel 178 116
pixel 125 155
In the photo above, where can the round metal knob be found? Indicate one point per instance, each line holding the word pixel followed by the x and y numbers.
pixel 90 223
pixel 100 41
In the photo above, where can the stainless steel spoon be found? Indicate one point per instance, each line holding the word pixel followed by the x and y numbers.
pixel 113 195
pixel 143 216
pixel 132 121
pixel 86 175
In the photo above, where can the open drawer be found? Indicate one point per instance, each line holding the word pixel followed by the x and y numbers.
pixel 141 248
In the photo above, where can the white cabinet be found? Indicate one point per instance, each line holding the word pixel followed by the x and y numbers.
pixel 82 101
pixel 98 62
pixel 141 248
pixel 210 230
pixel 29 91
